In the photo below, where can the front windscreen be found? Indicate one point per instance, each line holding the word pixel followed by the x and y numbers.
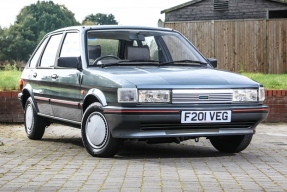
pixel 139 46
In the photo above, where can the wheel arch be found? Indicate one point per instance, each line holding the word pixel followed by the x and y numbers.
pixel 94 95
pixel 28 92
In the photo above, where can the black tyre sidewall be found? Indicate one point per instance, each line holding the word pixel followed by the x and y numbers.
pixel 112 145
pixel 38 124
pixel 231 144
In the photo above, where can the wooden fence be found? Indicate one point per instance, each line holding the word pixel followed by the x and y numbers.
pixel 240 45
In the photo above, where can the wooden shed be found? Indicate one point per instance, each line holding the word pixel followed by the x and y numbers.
pixel 197 10
pixel 243 35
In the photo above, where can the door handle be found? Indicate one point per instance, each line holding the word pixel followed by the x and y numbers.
pixel 54 76
pixel 34 75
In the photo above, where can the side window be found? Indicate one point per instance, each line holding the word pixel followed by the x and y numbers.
pixel 179 50
pixel 49 56
pixel 36 56
pixel 71 46
pixel 151 44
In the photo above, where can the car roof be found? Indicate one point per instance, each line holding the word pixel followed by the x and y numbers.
pixel 108 27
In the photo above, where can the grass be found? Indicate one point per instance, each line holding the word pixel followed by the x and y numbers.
pixel 269 81
pixel 9 80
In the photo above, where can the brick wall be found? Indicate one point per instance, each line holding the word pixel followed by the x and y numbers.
pixel 10 108
pixel 277 101
pixel 11 111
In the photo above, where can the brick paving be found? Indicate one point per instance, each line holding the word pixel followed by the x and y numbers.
pixel 59 162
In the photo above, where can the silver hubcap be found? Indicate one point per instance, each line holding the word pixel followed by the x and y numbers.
pixel 96 130
pixel 29 118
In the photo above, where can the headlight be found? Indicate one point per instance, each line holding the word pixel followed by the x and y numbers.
pixel 261 94
pixel 154 96
pixel 244 95
pixel 127 95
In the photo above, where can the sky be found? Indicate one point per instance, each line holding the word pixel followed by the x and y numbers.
pixel 126 12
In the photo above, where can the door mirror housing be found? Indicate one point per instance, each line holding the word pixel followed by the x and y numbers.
pixel 70 62
pixel 213 62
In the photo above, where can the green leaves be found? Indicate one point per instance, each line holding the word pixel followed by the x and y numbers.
pixel 32 23
pixel 100 19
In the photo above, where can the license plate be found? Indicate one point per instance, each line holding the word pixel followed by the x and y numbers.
pixel 205 116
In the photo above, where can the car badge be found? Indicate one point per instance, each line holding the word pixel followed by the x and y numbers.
pixel 203 97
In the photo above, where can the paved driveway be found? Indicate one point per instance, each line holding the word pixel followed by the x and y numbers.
pixel 60 162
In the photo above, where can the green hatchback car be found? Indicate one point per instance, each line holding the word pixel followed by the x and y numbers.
pixel 120 83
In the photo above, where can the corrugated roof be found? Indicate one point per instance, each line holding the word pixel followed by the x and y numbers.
pixel 196 1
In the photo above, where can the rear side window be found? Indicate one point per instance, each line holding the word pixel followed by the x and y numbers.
pixel 36 56
pixel 71 46
pixel 49 56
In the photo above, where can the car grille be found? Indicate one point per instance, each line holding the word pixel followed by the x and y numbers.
pixel 202 96
pixel 179 126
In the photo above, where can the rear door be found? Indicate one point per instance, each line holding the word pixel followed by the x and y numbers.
pixel 40 77
pixel 66 83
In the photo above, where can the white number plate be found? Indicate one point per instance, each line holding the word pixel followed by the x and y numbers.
pixel 205 116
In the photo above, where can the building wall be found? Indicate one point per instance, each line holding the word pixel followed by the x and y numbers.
pixel 256 46
pixel 277 102
pixel 11 111
pixel 238 9
pixel 10 108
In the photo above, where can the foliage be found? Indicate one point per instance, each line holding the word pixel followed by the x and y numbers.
pixel 8 67
pixel 9 80
pixel 32 23
pixel 108 46
pixel 100 19
pixel 241 68
pixel 269 81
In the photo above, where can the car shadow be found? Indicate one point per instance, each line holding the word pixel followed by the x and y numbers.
pixel 73 141
pixel 140 150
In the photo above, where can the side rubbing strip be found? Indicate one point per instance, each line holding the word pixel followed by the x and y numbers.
pixel 42 98
pixel 139 111
pixel 260 110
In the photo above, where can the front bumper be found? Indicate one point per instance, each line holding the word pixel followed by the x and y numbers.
pixel 166 122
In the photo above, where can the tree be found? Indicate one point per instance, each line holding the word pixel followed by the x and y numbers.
pixel 32 23
pixel 100 19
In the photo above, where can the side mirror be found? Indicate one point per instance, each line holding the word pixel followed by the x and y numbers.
pixel 212 61
pixel 70 62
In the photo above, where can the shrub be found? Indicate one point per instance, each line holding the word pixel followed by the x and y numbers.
pixel 8 67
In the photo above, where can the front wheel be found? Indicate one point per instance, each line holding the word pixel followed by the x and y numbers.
pixel 231 144
pixel 96 135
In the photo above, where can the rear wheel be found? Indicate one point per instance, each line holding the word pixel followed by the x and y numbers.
pixel 231 144
pixel 96 134
pixel 34 124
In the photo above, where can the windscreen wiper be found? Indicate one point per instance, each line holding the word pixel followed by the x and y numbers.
pixel 129 62
pixel 183 61
pixel 142 60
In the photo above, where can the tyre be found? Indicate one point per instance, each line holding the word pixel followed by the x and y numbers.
pixel 34 124
pixel 96 135
pixel 231 144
